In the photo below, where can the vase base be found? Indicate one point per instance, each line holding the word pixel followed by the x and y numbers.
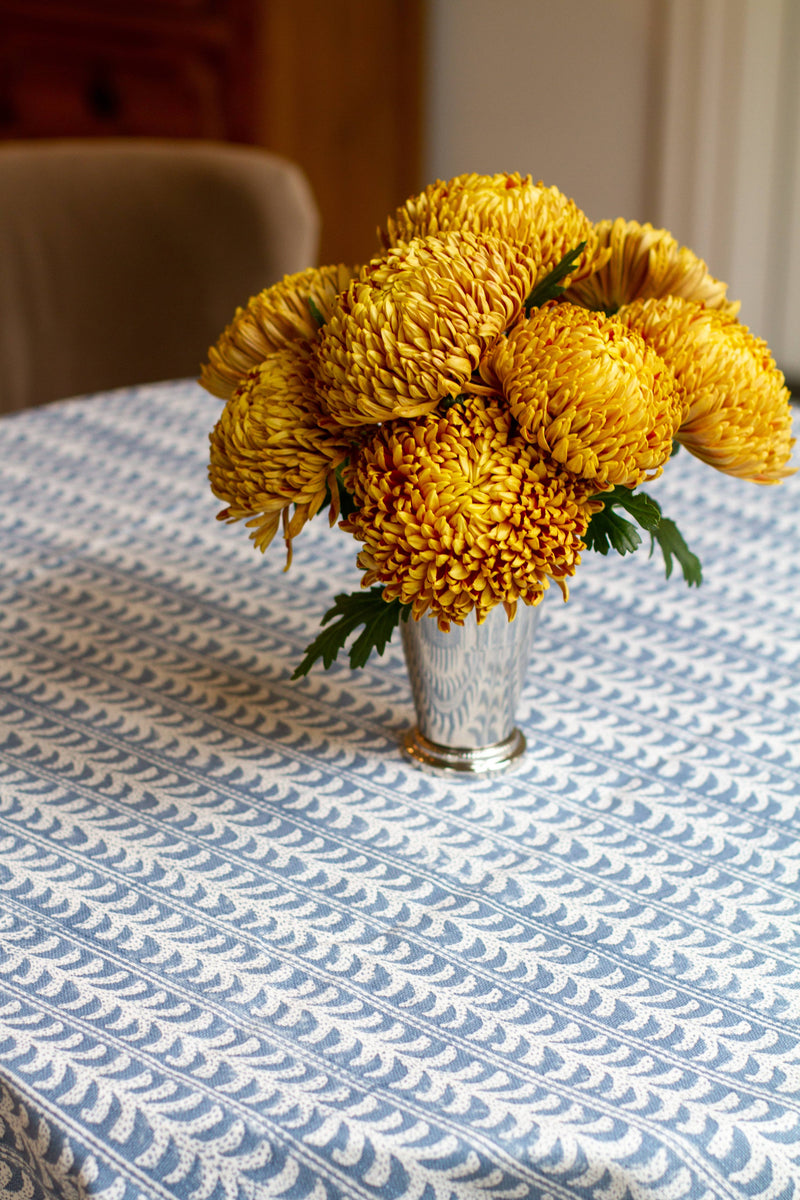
pixel 481 760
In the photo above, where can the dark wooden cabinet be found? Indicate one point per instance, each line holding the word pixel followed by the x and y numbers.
pixel 336 86
pixel 83 68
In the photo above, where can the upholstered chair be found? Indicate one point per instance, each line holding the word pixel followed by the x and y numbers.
pixel 121 260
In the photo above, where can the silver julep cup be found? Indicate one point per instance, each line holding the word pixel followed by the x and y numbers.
pixel 466 685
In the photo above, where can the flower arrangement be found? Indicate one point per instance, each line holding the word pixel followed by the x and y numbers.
pixel 483 400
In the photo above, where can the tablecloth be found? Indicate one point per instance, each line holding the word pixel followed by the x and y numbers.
pixel 248 950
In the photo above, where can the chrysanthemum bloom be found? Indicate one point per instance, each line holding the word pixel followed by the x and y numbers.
pixel 457 513
pixel 279 315
pixel 590 394
pixel 512 206
pixel 269 451
pixel 416 323
pixel 738 416
pixel 647 262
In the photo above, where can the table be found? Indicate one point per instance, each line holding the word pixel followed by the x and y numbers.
pixel 247 950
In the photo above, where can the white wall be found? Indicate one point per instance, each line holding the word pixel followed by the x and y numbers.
pixel 682 112
pixel 560 89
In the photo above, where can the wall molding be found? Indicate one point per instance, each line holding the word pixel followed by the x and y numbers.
pixel 728 164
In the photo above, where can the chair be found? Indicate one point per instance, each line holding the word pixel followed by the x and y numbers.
pixel 122 260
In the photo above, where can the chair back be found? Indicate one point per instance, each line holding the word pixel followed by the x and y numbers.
pixel 122 260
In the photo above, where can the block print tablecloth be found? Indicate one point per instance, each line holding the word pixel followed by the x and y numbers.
pixel 248 951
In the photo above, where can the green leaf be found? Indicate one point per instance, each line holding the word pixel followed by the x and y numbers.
pixel 550 287
pixel 609 531
pixel 378 632
pixel 367 608
pixel 449 402
pixel 347 504
pixel 316 314
pixel 671 542
pixel 644 510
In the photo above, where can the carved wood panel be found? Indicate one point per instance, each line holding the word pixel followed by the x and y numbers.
pixel 335 86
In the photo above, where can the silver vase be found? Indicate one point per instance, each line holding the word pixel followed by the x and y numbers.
pixel 466 685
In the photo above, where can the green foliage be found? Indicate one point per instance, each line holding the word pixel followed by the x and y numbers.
pixel 368 608
pixel 449 402
pixel 346 501
pixel 347 504
pixel 643 508
pixel 315 313
pixel 610 531
pixel 671 543
pixel 550 287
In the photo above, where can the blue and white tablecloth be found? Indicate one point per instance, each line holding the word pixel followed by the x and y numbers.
pixel 248 951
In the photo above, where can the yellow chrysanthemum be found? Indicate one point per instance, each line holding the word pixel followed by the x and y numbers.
pixel 738 416
pixel 647 262
pixel 512 206
pixel 269 451
pixel 416 323
pixel 590 394
pixel 457 513
pixel 279 315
